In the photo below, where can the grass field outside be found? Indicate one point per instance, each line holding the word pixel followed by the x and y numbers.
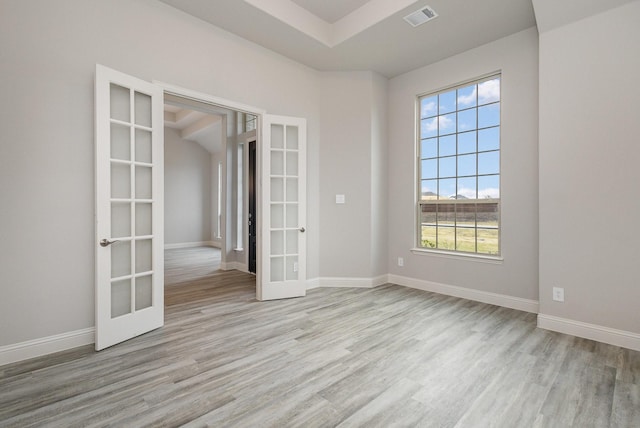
pixel 463 237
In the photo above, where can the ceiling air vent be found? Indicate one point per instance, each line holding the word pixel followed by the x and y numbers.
pixel 421 16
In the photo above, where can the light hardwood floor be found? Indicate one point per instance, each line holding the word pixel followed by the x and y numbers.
pixel 389 356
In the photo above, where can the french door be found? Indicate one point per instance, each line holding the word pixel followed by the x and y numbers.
pixel 282 270
pixel 129 207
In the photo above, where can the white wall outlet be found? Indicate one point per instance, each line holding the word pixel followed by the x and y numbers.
pixel 400 261
pixel 340 199
pixel 558 294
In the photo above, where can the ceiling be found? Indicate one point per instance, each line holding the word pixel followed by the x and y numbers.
pixel 198 127
pixel 330 10
pixel 340 35
pixel 351 35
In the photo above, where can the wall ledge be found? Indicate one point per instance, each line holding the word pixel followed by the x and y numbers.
pixel 611 336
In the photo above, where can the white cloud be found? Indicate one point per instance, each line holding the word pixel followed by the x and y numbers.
pixel 443 121
pixel 467 193
pixel 429 109
pixel 489 193
pixel 487 92
pixel 466 100
pixel 483 194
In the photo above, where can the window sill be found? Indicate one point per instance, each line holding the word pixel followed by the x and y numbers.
pixel 457 256
pixel 239 249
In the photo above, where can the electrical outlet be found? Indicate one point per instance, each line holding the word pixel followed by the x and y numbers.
pixel 400 261
pixel 558 294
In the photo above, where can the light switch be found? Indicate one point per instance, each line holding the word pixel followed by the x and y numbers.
pixel 339 199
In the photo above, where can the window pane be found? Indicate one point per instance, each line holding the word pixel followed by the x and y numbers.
pixel 429 168
pixel 489 115
pixel 466 215
pixel 447 167
pixel 467 165
pixel 429 148
pixel 466 239
pixel 489 91
pixel 488 241
pixel 447 124
pixel 429 128
pixel 428 215
pixel 467 120
pixel 446 214
pixel 429 189
pixel 447 145
pixel 447 102
pixel 489 139
pixel 428 238
pixel 467 97
pixel 489 162
pixel 467 142
pixel 446 238
pixel 429 107
pixel 489 187
pixel 446 188
pixel 487 215
pixel 466 188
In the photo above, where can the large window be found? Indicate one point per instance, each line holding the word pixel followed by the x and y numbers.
pixel 459 168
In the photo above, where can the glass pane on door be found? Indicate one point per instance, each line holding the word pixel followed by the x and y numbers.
pixel 143 292
pixel 120 298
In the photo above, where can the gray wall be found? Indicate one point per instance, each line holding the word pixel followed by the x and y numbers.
pixel 517 57
pixel 352 155
pixel 188 182
pixel 49 52
pixel 589 154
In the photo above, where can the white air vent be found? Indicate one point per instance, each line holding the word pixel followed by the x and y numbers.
pixel 421 16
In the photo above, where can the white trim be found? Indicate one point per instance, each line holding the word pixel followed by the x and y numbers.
pixel 207 99
pixel 350 282
pixel 192 244
pixel 313 283
pixel 612 336
pixel 46 345
pixel 480 258
pixel 234 266
pixel 468 293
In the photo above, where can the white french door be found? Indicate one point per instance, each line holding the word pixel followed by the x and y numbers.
pixel 282 267
pixel 129 207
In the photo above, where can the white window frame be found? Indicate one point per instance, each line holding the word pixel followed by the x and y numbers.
pixel 455 201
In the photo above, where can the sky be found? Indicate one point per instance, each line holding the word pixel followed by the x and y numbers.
pixel 474 113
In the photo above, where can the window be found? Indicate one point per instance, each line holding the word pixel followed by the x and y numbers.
pixel 240 199
pixel 459 168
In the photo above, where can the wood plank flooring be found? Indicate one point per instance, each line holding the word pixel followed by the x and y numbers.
pixel 389 356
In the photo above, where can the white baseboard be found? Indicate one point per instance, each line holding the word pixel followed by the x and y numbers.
pixel 612 336
pixel 349 282
pixel 468 293
pixel 313 283
pixel 192 244
pixel 234 266
pixel 46 345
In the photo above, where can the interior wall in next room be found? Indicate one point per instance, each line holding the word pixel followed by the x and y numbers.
pixel 187 190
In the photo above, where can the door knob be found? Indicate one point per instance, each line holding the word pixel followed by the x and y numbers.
pixel 105 242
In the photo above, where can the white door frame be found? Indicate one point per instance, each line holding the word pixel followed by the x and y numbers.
pixel 205 98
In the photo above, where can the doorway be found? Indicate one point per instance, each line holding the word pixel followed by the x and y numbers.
pixel 219 211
